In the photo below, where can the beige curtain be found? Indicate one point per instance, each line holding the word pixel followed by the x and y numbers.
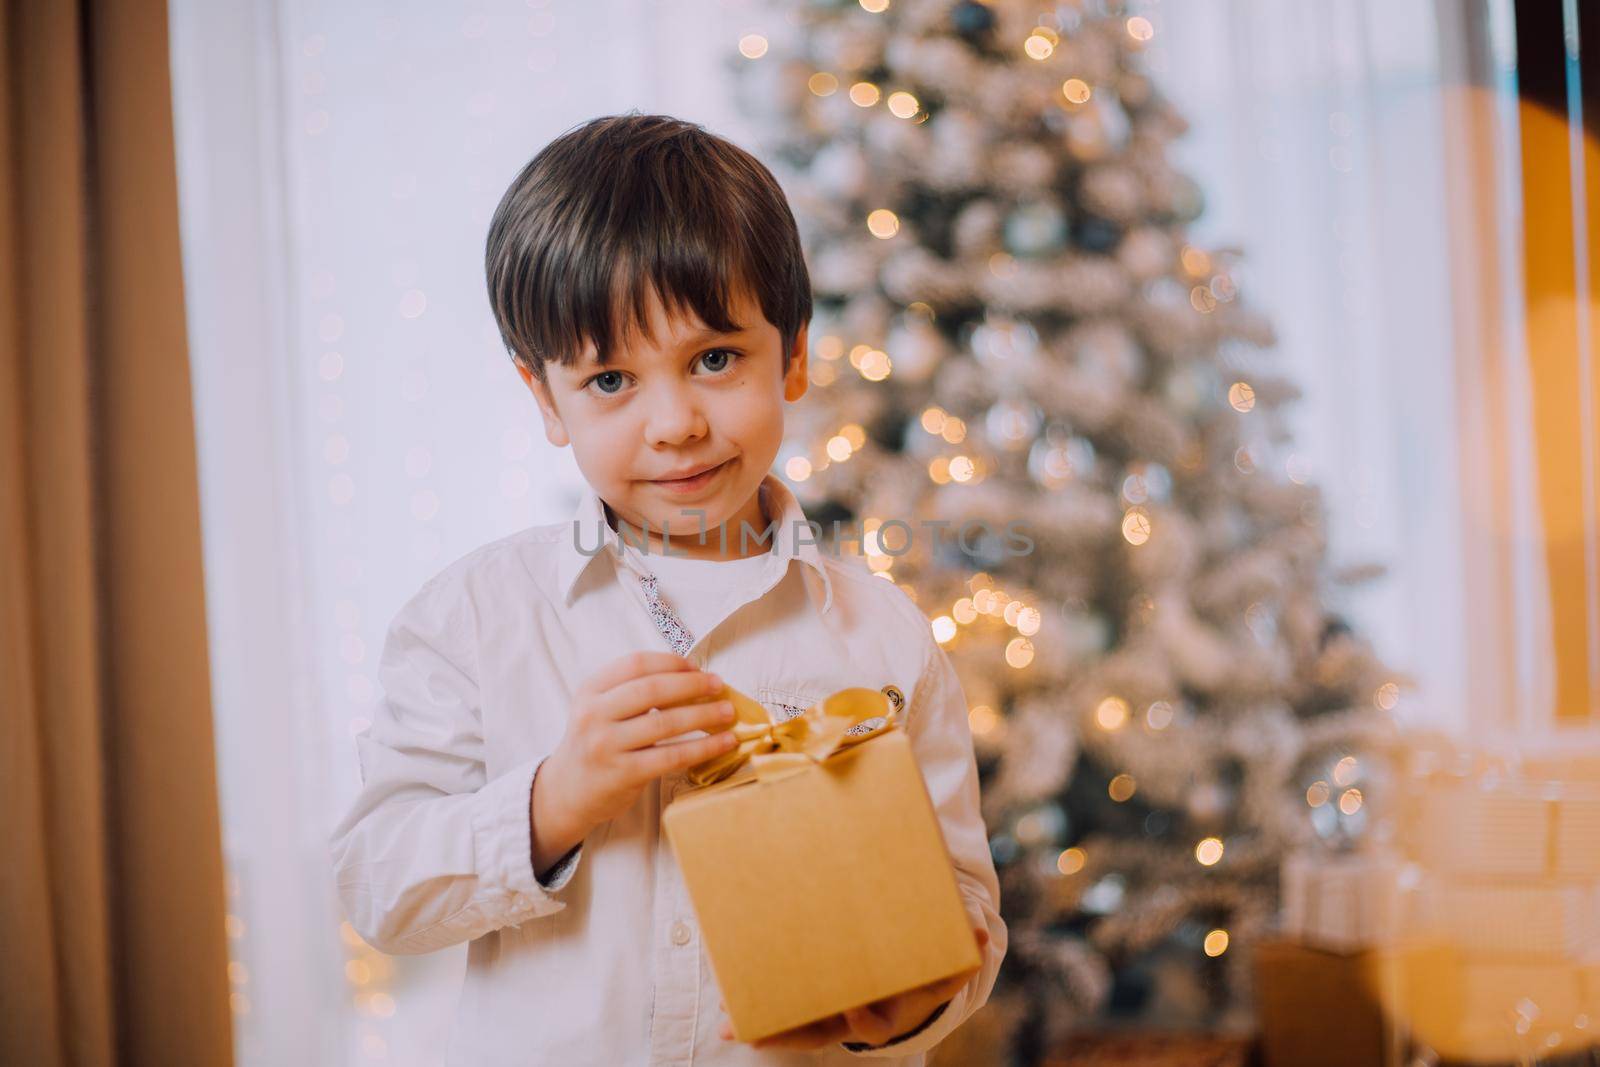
pixel 1556 305
pixel 111 896
pixel 1549 516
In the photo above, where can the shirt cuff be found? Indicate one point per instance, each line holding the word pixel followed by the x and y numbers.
pixel 503 841
pixel 561 873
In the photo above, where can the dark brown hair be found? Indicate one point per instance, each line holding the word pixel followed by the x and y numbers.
pixel 625 203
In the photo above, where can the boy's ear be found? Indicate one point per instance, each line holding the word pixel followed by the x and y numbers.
pixel 555 431
pixel 796 378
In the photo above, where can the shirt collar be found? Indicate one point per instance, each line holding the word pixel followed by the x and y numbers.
pixel 589 536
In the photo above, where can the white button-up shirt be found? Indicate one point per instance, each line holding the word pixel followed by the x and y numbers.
pixel 602 963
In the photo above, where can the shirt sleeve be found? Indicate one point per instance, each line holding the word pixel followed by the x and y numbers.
pixel 433 852
pixel 561 873
pixel 941 740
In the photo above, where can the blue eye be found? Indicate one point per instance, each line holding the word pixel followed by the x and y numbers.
pixel 616 374
pixel 730 357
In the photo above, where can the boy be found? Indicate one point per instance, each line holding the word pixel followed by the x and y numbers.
pixel 648 280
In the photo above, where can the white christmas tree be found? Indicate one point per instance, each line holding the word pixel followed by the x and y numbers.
pixel 1011 326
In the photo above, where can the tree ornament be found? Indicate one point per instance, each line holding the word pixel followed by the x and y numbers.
pixel 1094 234
pixel 972 21
pixel 1004 343
pixel 1035 229
pixel 1208 804
pixel 1192 388
pixel 1053 464
pixel 1146 483
pixel 1011 424
pixel 916 348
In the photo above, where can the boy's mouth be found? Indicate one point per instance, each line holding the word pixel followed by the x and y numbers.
pixel 693 482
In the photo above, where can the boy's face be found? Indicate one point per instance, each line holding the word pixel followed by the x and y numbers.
pixel 688 400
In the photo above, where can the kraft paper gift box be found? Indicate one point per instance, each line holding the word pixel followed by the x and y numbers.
pixel 1514 827
pixel 1499 1008
pixel 1540 918
pixel 1317 1007
pixel 816 866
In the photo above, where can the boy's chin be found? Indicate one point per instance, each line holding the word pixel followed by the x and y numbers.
pixel 686 521
pixel 689 517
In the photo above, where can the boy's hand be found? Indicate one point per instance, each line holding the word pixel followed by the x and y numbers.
pixel 609 752
pixel 873 1023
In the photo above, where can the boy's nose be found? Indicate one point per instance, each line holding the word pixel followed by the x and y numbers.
pixel 674 419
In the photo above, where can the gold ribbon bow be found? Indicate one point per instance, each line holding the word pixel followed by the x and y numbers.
pixel 767 748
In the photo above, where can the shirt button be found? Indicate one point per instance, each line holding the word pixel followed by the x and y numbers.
pixel 680 933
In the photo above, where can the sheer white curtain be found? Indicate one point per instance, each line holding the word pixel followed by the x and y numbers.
pixel 360 425
pixel 1326 137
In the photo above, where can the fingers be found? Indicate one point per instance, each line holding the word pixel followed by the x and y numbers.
pixel 634 665
pixel 945 988
pixel 642 731
pixel 673 756
pixel 662 690
pixel 880 1020
pixel 868 1024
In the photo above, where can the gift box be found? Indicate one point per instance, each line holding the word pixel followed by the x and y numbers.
pixel 1508 827
pixel 1501 930
pixel 1489 1009
pixel 816 865
pixel 1526 917
pixel 1343 901
pixel 1318 1007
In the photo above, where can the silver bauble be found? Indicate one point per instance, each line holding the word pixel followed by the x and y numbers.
pixel 1053 464
pixel 916 348
pixel 1011 424
pixel 1002 342
pixel 1037 228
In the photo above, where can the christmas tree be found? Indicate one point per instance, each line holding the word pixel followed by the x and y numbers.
pixel 1012 328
